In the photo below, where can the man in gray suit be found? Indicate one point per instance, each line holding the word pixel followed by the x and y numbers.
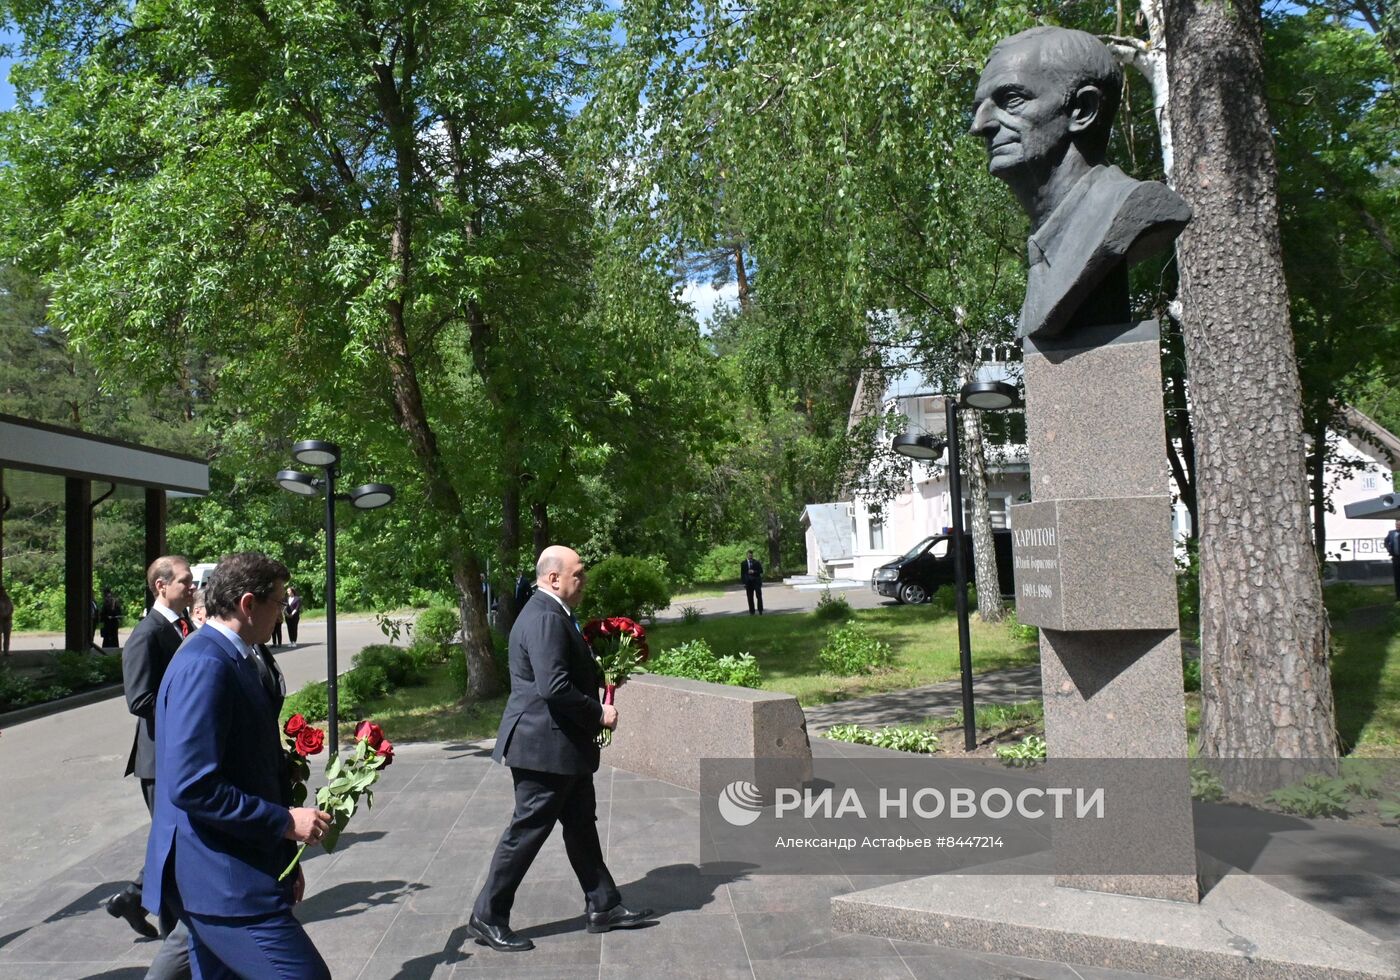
pixel 147 653
pixel 548 738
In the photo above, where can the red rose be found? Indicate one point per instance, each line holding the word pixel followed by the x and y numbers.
pixel 294 724
pixel 310 740
pixel 386 752
pixel 368 731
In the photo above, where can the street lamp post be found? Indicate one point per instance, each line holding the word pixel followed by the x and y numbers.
pixel 370 496
pixel 984 396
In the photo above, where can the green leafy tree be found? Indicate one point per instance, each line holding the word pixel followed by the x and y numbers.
pixel 367 213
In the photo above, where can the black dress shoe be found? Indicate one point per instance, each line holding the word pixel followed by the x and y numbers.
pixel 124 905
pixel 499 938
pixel 617 917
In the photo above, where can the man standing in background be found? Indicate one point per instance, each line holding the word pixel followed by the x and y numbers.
pixel 1392 545
pixel 751 574
pixel 144 658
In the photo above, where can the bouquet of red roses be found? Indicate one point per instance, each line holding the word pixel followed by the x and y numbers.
pixel 301 741
pixel 348 780
pixel 620 644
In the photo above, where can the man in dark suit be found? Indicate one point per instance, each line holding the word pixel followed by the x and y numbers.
pixel 144 658
pixel 1392 547
pixel 751 574
pixel 222 830
pixel 548 738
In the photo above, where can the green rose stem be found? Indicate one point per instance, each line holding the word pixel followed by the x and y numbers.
pixel 348 779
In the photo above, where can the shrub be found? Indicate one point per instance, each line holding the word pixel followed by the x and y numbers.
pixel 110 665
pixel 622 586
pixel 945 599
pixel 457 672
pixel 1019 630
pixel 697 661
pixel 690 615
pixel 438 624
pixel 1029 752
pixel 1206 786
pixel 833 607
pixel 398 664
pixel 309 702
pixel 721 563
pixel 1191 673
pixel 364 683
pixel 75 671
pixel 900 738
pixel 1315 796
pixel 425 654
pixel 15 692
pixel 851 650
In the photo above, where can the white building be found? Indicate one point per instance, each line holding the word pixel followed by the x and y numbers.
pixel 850 539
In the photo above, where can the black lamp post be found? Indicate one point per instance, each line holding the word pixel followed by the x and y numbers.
pixel 985 396
pixel 326 455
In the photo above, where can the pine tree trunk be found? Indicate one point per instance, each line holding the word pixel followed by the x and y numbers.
pixel 1266 689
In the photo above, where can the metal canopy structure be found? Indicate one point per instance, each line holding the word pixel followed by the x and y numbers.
pixel 41 457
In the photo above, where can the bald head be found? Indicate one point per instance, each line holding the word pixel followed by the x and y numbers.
pixel 559 571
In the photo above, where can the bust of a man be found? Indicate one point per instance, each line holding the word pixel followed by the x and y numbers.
pixel 1044 106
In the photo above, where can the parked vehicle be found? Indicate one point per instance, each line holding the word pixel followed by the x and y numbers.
pixel 919 573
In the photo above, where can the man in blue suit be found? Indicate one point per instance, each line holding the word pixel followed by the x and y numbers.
pixel 222 830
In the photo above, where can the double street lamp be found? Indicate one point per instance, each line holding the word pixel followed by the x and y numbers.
pixel 989 396
pixel 370 496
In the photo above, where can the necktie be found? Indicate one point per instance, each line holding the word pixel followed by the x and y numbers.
pixel 182 626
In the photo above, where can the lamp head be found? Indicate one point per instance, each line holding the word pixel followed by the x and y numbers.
pixel 371 496
pixel 316 452
pixel 922 447
pixel 294 481
pixel 989 396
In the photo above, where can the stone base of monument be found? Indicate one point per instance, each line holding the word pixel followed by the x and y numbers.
pixel 1243 929
pixel 668 724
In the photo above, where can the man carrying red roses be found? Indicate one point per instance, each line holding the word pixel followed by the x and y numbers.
pixel 223 829
pixel 547 738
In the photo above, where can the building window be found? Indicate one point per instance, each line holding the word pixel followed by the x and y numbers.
pixel 999 507
pixel 877 534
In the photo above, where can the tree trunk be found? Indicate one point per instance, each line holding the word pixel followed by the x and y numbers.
pixel 989 604
pixel 539 517
pixel 775 543
pixel 1266 689
pixel 441 496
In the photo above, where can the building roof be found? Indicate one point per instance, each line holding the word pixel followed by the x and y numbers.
pixel 37 447
pixel 1373 432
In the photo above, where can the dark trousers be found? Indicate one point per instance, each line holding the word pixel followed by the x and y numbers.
pixel 259 947
pixel 754 591
pixel 1395 570
pixel 292 622
pixel 132 891
pixel 541 799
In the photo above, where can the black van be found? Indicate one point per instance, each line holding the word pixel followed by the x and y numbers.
pixel 929 564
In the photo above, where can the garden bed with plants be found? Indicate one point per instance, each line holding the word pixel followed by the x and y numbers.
pixel 64 675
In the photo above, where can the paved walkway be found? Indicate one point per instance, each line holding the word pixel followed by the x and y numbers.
pixel 392 901
pixel 916 705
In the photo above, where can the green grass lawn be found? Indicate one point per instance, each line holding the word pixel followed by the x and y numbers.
pixel 693 592
pixel 429 712
pixel 1366 671
pixel 924 641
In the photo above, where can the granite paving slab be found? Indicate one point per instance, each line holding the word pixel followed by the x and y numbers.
pixel 393 900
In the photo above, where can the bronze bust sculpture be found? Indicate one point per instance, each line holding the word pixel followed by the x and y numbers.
pixel 1044 106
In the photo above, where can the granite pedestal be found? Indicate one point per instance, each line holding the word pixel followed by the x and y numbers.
pixel 668 724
